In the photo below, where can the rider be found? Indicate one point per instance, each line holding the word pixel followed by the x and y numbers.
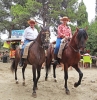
pixel 30 34
pixel 64 31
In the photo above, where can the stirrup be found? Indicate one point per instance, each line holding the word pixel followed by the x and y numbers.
pixel 21 63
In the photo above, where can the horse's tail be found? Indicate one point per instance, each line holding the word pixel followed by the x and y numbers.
pixel 49 58
pixel 13 65
pixel 47 65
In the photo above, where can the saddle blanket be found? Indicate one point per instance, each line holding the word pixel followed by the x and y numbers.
pixel 62 45
pixel 25 53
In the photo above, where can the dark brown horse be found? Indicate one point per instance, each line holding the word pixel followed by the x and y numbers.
pixel 70 56
pixel 36 57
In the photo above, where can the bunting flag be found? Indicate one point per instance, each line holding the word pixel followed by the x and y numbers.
pixel 6 45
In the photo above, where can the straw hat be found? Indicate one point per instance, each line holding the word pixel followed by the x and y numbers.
pixel 31 21
pixel 65 18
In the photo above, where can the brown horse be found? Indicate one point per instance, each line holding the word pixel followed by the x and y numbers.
pixel 70 56
pixel 36 57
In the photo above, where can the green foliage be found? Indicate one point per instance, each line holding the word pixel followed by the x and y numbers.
pixel 21 14
pixel 33 7
pixel 92 40
pixel 82 16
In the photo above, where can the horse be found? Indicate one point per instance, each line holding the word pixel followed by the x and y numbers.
pixel 70 57
pixel 36 57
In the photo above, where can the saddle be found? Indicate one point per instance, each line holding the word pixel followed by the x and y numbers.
pixel 26 49
pixel 63 46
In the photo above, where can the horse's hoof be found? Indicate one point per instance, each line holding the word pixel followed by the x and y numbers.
pixel 34 95
pixel 67 92
pixel 76 84
pixel 46 79
pixel 55 80
pixel 23 83
pixel 17 82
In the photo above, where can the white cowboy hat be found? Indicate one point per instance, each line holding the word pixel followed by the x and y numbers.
pixel 31 21
pixel 65 18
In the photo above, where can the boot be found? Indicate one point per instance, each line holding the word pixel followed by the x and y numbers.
pixel 55 56
pixel 21 60
pixel 56 59
pixel 21 63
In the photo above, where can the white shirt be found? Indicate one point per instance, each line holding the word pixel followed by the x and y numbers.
pixel 30 34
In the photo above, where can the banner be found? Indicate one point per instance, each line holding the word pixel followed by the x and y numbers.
pixel 17 33
pixel 6 45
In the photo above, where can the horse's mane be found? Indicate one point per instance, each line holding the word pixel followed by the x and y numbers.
pixel 82 33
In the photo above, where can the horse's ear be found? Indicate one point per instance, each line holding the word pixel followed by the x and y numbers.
pixel 77 29
pixel 86 27
pixel 41 27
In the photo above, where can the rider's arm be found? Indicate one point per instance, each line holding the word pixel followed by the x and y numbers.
pixel 70 33
pixel 23 37
pixel 60 31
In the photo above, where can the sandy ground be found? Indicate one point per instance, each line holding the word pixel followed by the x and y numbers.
pixel 47 90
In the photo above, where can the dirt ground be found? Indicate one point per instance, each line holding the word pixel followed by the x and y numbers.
pixel 47 90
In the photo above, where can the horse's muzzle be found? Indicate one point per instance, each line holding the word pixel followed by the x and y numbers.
pixel 46 45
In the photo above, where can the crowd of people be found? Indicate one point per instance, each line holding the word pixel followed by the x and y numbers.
pixel 4 56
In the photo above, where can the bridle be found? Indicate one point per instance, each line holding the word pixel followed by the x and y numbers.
pixel 80 40
pixel 76 50
pixel 45 38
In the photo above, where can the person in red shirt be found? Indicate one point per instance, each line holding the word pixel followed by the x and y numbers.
pixel 64 31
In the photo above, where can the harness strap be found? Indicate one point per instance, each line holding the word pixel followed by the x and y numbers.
pixel 75 49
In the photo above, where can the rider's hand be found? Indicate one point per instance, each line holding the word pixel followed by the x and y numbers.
pixel 63 36
pixel 22 42
pixel 66 37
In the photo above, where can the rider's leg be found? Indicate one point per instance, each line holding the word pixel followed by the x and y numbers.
pixel 22 50
pixel 21 59
pixel 58 41
pixel 62 45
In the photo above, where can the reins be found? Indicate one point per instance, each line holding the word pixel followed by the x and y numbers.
pixel 74 49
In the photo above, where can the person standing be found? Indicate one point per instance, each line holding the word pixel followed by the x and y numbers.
pixel 30 34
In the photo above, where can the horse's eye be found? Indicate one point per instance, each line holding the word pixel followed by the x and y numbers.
pixel 48 35
pixel 43 32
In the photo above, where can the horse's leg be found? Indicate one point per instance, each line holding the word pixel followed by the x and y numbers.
pixel 34 80
pixel 54 72
pixel 80 76
pixel 46 77
pixel 38 75
pixel 23 71
pixel 48 65
pixel 66 78
pixel 16 64
pixel 47 70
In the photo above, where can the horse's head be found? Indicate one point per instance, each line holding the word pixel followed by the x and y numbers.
pixel 81 37
pixel 45 36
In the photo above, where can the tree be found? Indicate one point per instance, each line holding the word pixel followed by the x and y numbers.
pixel 82 15
pixel 23 13
pixel 92 39
pixel 49 11
pixel 56 9
pixel 5 24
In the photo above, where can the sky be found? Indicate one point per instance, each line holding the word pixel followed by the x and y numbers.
pixel 90 8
